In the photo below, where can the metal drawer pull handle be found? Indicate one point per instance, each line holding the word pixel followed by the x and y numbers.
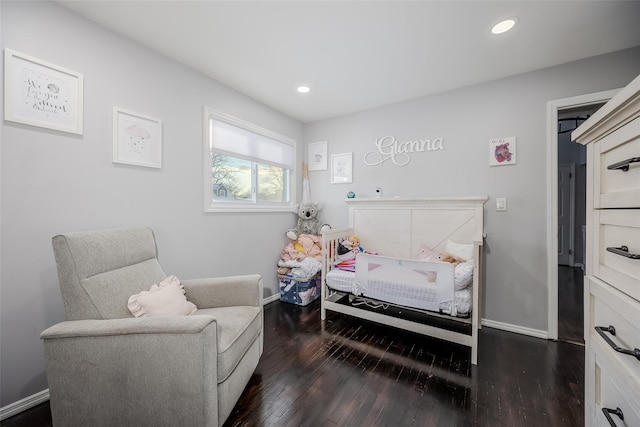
pixel 623 251
pixel 616 411
pixel 624 165
pixel 602 329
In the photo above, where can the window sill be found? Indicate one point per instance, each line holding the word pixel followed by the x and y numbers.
pixel 219 208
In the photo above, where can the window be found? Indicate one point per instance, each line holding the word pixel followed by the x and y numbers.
pixel 246 168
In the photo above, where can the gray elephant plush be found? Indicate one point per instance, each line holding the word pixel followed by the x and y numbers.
pixel 308 222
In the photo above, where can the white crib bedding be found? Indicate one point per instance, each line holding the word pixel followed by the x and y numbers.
pixel 414 291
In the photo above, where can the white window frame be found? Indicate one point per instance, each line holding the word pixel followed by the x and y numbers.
pixel 211 205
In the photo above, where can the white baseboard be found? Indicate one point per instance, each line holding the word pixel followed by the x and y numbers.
pixel 272 298
pixel 537 333
pixel 24 404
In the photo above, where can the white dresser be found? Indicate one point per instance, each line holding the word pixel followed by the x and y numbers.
pixel 612 281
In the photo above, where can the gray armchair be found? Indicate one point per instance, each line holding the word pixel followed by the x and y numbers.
pixel 107 368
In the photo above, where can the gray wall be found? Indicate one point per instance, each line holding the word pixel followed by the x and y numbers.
pixel 55 182
pixel 516 243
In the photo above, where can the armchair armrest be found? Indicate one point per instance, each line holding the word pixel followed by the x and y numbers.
pixel 147 371
pixel 129 326
pixel 225 291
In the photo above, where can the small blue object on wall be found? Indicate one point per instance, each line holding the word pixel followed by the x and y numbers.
pixel 351 195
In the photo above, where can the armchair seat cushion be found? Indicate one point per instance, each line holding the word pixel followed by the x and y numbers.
pixel 237 329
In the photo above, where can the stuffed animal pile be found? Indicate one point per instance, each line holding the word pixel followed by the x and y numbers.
pixel 302 256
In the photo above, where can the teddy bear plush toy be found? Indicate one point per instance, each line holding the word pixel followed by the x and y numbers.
pixel 308 222
pixel 452 259
pixel 427 254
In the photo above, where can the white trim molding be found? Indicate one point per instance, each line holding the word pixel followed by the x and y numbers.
pixel 536 333
pixel 272 298
pixel 22 405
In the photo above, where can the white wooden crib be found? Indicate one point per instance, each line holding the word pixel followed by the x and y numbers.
pixel 395 228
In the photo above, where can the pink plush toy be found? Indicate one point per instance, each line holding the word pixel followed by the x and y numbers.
pixel 425 253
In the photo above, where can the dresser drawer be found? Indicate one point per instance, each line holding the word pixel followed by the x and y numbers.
pixel 609 307
pixel 613 389
pixel 616 188
pixel 615 229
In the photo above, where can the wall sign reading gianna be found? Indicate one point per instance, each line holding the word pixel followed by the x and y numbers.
pixel 398 152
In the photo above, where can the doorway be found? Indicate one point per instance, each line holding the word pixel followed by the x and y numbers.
pixel 572 245
pixel 572 162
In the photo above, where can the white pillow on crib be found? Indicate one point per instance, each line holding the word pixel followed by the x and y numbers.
pixel 463 275
pixel 462 250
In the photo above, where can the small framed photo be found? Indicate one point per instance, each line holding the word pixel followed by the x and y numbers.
pixel 137 139
pixel 502 151
pixel 41 94
pixel 342 168
pixel 317 156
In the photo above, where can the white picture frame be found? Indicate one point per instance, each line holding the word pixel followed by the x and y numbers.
pixel 342 168
pixel 502 151
pixel 317 156
pixel 137 139
pixel 38 93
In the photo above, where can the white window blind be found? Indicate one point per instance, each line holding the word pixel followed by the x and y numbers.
pixel 250 145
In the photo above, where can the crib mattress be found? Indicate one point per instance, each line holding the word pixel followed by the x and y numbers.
pixel 414 292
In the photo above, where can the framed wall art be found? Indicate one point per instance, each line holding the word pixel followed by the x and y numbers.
pixel 317 156
pixel 41 94
pixel 137 139
pixel 502 151
pixel 342 168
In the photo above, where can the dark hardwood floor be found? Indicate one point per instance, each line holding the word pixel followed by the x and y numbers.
pixel 350 372
pixel 570 304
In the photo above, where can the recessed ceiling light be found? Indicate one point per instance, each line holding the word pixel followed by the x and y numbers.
pixel 504 26
pixel 303 89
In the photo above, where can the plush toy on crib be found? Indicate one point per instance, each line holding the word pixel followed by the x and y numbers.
pixel 353 244
pixel 349 248
pixel 308 222
pixel 447 257
pixel 463 270
pixel 425 253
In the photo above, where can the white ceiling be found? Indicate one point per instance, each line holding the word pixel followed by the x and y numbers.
pixel 357 55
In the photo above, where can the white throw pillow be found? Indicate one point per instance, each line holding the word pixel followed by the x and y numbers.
pixel 165 299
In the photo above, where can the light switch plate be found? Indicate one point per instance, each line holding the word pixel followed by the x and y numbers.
pixel 501 204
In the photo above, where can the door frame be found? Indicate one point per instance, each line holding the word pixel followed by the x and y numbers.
pixel 552 196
